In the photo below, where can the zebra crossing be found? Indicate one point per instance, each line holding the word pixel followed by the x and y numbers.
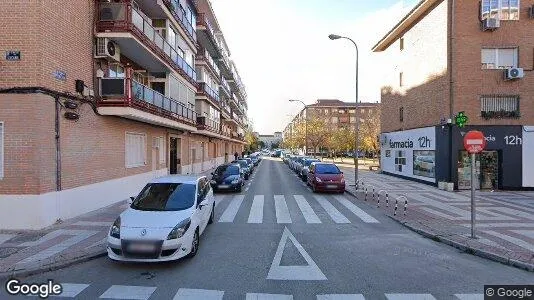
pixel 77 290
pixel 308 208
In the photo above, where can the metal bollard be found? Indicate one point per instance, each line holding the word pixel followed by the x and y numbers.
pixel 395 212
pixel 387 200
pixel 405 205
pixel 373 193
pixel 379 193
pixel 365 188
pixel 378 201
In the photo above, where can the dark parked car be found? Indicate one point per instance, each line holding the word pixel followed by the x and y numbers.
pixel 227 177
pixel 326 177
pixel 305 169
pixel 245 168
pixel 250 163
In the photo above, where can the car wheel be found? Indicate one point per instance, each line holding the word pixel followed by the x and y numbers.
pixel 212 215
pixel 194 245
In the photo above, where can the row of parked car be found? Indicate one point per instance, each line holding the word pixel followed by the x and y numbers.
pixel 232 176
pixel 320 176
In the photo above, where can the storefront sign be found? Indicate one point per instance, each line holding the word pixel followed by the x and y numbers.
pixel 12 55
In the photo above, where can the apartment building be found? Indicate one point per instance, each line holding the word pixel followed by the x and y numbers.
pixel 270 140
pixel 337 113
pixel 449 59
pixel 97 97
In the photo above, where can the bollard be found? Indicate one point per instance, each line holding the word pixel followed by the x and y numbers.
pixel 395 212
pixel 379 193
pixel 378 201
pixel 405 205
pixel 365 188
pixel 387 200
pixel 373 193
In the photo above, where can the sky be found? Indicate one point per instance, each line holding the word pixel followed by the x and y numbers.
pixel 282 51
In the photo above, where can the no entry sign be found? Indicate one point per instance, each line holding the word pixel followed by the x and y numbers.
pixel 474 142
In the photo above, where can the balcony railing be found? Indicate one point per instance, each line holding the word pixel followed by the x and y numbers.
pixel 204 54
pixel 204 88
pixel 126 92
pixel 203 123
pixel 202 19
pixel 122 17
pixel 225 85
pixel 179 14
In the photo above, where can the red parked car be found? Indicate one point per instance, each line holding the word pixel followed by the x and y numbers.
pixel 326 177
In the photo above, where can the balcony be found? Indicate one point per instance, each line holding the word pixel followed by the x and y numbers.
pixel 179 14
pixel 224 65
pixel 130 99
pixel 226 113
pixel 116 19
pixel 206 36
pixel 204 123
pixel 205 90
pixel 205 58
pixel 224 88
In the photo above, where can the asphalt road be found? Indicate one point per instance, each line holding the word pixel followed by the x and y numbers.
pixel 283 239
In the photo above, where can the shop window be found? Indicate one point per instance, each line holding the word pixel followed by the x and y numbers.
pixel 424 163
pixel 400 160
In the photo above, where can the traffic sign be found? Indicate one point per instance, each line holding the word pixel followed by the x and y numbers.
pixel 474 142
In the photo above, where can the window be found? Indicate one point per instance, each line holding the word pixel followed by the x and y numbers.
pixel 499 106
pixel 401 43
pixel 401 114
pixel 1 150
pixel 335 120
pixel 116 71
pixel 500 9
pixel 362 111
pixel 352 111
pixel 160 144
pixel 353 120
pixel 424 163
pixel 135 152
pixel 341 111
pixel 499 58
pixel 326 111
pixel 400 160
pixel 400 79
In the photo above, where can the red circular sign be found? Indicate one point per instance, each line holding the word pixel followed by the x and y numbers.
pixel 474 141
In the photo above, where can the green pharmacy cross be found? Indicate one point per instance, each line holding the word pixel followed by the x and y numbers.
pixel 461 119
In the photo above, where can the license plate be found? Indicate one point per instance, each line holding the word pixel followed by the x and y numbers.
pixel 223 186
pixel 331 186
pixel 136 247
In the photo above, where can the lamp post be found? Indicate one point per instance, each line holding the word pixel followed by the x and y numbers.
pixel 357 142
pixel 305 125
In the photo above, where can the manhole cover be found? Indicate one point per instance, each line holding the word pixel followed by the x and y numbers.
pixel 5 252
pixel 29 237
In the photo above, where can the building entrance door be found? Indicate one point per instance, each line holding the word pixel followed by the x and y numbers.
pixel 486 167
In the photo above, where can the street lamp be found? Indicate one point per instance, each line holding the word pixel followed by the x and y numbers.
pixel 305 125
pixel 355 154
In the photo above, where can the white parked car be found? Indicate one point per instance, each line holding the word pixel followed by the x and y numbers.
pixel 164 222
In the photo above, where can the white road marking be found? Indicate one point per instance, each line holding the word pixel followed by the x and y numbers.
pixel 470 296
pixel 197 294
pixel 278 272
pixel 72 289
pixel 5 237
pixel 128 292
pixel 341 297
pixel 256 211
pixel 306 209
pixel 231 211
pixel 252 296
pixel 410 297
pixel 331 210
pixel 356 210
pixel 282 212
pixel 90 223
pixel 218 199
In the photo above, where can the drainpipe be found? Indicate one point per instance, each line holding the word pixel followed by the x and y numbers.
pixel 451 85
pixel 58 147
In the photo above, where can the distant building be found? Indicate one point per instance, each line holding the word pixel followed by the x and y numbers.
pixel 269 140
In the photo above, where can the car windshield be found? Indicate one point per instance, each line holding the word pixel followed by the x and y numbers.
pixel 165 197
pixel 326 169
pixel 227 170
pixel 242 163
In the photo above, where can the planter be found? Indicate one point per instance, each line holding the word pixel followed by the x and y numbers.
pixel 449 186
pixel 441 185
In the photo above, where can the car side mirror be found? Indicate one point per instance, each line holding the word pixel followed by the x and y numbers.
pixel 130 200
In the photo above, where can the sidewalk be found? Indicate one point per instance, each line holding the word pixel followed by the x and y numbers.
pixel 75 240
pixel 504 224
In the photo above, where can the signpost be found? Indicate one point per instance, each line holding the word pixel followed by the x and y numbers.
pixel 474 142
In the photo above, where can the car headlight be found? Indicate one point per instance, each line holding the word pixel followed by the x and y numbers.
pixel 318 179
pixel 342 179
pixel 179 230
pixel 235 181
pixel 115 230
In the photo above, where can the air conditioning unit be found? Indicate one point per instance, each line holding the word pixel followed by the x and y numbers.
pixel 106 48
pixel 490 24
pixel 514 73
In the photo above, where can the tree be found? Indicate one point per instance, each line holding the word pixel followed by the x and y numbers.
pixel 340 140
pixel 261 144
pixel 370 130
pixel 295 139
pixel 318 132
pixel 252 142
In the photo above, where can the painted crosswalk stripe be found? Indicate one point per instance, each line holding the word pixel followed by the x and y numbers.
pixel 356 210
pixel 218 199
pixel 256 211
pixel 306 210
pixel 410 297
pixel 282 212
pixel 231 211
pixel 253 296
pixel 470 296
pixel 341 297
pixel 197 294
pixel 331 210
pixel 71 290
pixel 128 292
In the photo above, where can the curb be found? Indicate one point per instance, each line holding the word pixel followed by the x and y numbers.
pixel 466 248
pixel 53 267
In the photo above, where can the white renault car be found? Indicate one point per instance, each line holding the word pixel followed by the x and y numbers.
pixel 164 222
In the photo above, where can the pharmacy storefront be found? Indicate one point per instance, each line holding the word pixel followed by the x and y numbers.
pixel 436 154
